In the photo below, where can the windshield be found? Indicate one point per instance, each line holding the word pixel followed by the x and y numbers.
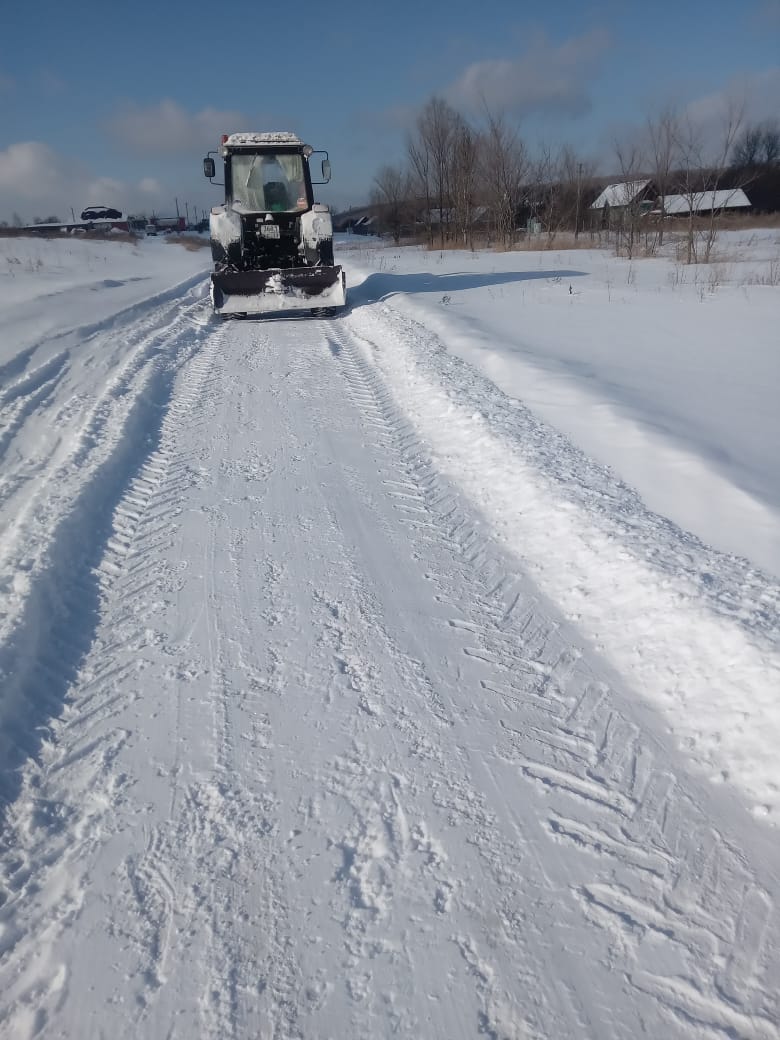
pixel 268 183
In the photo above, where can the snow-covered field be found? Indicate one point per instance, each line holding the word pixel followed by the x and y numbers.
pixel 413 672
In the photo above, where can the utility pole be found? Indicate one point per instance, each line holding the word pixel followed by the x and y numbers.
pixel 177 206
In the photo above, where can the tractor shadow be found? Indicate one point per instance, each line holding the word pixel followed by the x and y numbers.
pixel 381 285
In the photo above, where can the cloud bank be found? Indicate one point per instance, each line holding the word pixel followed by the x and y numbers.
pixel 36 181
pixel 169 129
pixel 545 78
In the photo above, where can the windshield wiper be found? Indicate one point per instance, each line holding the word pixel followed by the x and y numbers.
pixel 251 167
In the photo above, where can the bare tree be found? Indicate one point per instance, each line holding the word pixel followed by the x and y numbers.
pixel 541 195
pixel 757 145
pixel 701 173
pixel 747 150
pixel 630 163
pixel 436 127
pixel 463 180
pixel 555 187
pixel 573 172
pixel 391 197
pixel 503 168
pixel 420 165
pixel 771 142
pixel 663 133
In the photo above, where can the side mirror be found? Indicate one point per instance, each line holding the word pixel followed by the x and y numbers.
pixel 209 169
pixel 326 170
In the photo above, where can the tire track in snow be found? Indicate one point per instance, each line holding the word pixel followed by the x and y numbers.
pixel 390 856
pixel 25 397
pixel 195 869
pixel 365 809
pixel 69 786
pixel 61 425
pixel 581 749
pixel 59 538
pixel 456 798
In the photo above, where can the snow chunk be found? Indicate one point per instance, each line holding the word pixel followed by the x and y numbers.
pixel 225 226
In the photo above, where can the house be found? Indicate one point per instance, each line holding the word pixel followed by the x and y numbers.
pixel 449 215
pixel 619 200
pixel 366 226
pixel 347 219
pixel 705 202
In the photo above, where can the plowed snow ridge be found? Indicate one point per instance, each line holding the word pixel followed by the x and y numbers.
pixel 700 667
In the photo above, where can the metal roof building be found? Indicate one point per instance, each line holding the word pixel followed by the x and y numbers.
pixel 705 202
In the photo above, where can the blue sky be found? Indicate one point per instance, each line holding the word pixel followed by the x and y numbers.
pixel 117 104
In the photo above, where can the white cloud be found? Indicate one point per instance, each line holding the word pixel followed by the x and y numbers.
pixel 102 189
pixel 31 170
pixel 36 181
pixel 545 78
pixel 168 129
pixel 758 92
pixel 150 186
pixel 703 119
pixel 756 96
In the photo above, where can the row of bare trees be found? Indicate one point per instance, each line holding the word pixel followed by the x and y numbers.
pixel 453 171
pixel 683 157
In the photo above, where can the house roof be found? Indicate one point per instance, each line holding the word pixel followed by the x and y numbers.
pixel 705 201
pixel 621 194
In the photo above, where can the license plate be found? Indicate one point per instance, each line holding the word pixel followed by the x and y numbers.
pixel 269 230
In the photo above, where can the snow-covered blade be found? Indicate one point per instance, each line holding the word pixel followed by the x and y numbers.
pixel 262 292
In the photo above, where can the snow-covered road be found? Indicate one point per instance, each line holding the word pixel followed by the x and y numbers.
pixel 337 700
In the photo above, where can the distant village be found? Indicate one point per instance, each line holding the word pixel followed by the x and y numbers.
pixel 584 204
pixel 108 219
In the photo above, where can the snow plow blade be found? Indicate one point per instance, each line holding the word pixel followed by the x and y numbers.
pixel 263 292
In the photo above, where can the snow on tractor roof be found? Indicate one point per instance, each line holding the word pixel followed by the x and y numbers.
pixel 270 137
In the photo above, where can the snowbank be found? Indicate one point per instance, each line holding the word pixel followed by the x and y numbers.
pixel 666 373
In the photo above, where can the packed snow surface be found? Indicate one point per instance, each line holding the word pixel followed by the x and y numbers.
pixel 412 672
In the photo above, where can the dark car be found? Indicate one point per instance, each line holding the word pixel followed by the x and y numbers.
pixel 100 213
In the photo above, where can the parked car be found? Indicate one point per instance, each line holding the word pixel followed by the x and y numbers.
pixel 100 213
pixel 152 229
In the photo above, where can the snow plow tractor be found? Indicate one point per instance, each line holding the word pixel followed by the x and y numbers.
pixel 271 243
